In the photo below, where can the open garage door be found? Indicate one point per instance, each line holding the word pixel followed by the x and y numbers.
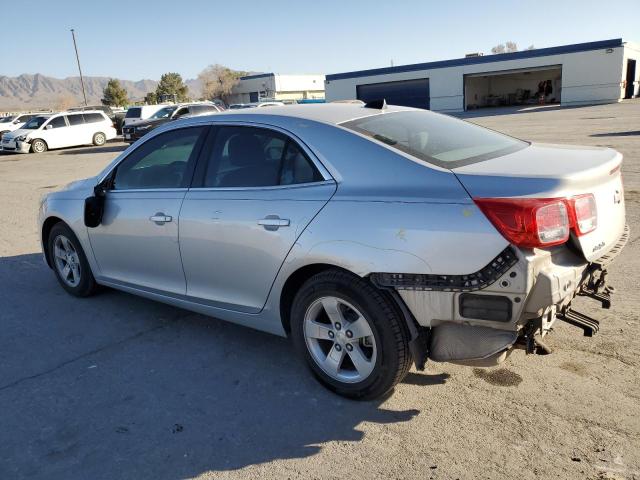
pixel 408 93
pixel 526 86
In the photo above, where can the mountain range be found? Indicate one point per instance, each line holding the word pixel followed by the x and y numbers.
pixel 34 92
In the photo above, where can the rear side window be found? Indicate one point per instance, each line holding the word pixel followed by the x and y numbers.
pixel 257 157
pixel 165 161
pixel 76 119
pixel 438 139
pixel 134 112
pixel 93 117
pixel 57 122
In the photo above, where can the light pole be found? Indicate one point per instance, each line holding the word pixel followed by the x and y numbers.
pixel 73 35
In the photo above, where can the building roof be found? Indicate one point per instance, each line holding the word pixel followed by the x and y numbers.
pixel 500 57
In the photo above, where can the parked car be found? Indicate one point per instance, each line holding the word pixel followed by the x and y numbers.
pixel 14 122
pixel 140 113
pixel 374 237
pixel 60 130
pixel 241 106
pixel 115 114
pixel 167 114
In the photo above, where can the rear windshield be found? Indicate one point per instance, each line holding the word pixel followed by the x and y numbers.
pixel 438 139
pixel 7 119
pixel 133 112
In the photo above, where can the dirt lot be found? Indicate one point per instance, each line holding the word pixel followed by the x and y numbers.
pixel 119 387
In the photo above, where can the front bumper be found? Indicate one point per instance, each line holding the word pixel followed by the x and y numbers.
pixel 8 145
pixel 467 325
pixel 131 134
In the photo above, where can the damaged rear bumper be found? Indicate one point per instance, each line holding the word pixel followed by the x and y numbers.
pixel 519 300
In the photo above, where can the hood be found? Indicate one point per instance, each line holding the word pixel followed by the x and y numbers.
pixel 152 123
pixel 16 133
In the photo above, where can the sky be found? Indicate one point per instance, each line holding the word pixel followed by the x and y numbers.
pixel 136 40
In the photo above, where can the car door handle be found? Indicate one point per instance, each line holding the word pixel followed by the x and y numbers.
pixel 273 222
pixel 160 218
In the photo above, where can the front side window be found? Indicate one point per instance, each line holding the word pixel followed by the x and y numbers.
pixel 164 161
pixel 76 119
pixel 438 139
pixel 57 122
pixel 257 157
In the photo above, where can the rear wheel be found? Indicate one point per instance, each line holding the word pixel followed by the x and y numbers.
pixel 99 139
pixel 350 335
pixel 69 262
pixel 38 146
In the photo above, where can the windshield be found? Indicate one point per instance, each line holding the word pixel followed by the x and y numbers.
pixel 438 139
pixel 7 119
pixel 34 123
pixel 163 112
pixel 133 112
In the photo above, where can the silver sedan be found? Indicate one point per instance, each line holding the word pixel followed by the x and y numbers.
pixel 376 237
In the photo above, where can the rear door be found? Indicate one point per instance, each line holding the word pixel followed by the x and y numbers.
pixel 256 189
pixel 137 241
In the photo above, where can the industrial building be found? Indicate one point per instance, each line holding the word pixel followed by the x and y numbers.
pixel 274 86
pixel 579 74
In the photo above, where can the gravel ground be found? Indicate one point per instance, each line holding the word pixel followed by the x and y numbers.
pixel 120 387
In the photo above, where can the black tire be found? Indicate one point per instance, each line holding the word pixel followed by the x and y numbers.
pixel 87 285
pixel 39 146
pixel 99 139
pixel 389 330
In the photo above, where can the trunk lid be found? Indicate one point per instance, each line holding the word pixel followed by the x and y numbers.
pixel 557 171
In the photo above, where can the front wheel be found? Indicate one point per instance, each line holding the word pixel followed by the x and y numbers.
pixel 350 334
pixel 99 139
pixel 69 262
pixel 38 146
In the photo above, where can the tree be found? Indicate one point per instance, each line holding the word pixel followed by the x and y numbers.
pixel 65 101
pixel 171 84
pixel 114 94
pixel 151 98
pixel 217 81
pixel 507 47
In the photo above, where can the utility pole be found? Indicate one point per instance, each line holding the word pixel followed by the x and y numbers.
pixel 73 35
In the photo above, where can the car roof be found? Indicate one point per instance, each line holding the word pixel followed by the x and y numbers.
pixel 330 113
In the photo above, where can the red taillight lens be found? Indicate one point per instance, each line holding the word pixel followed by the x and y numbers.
pixel 528 222
pixel 584 213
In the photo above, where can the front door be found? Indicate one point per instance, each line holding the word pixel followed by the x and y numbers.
pixel 258 193
pixel 137 241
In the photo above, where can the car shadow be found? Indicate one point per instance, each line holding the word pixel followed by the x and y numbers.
pixel 629 133
pixel 108 148
pixel 116 386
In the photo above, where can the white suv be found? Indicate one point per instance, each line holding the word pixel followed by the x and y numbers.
pixel 66 129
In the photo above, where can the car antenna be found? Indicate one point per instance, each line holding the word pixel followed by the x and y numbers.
pixel 377 104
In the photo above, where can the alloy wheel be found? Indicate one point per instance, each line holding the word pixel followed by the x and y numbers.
pixel 67 261
pixel 340 340
pixel 38 146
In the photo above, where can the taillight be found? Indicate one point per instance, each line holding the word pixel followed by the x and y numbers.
pixel 528 222
pixel 584 213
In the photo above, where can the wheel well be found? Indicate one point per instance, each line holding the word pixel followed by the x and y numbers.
pixel 293 284
pixel 46 229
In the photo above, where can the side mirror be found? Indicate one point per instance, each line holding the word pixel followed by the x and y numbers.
pixel 48 127
pixel 94 207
